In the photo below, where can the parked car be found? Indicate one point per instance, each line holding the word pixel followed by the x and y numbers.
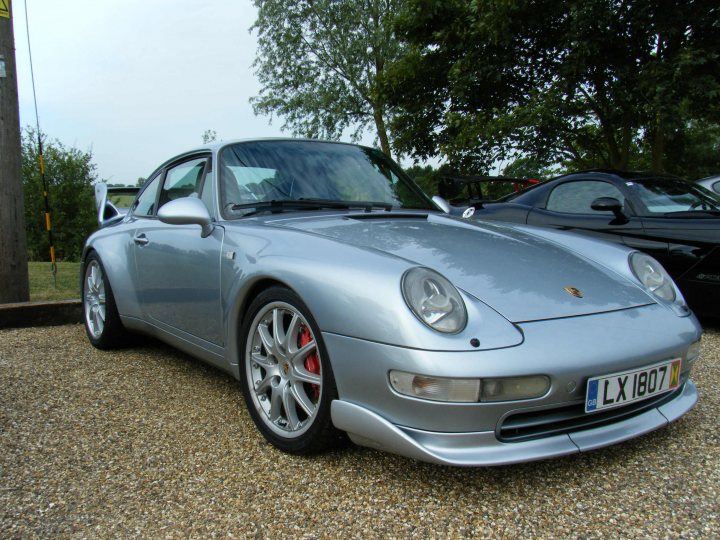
pixel 671 219
pixel 345 302
pixel 711 182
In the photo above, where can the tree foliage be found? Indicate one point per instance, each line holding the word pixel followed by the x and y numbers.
pixel 425 176
pixel 69 173
pixel 591 83
pixel 319 63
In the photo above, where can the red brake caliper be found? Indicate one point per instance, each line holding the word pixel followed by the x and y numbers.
pixel 312 362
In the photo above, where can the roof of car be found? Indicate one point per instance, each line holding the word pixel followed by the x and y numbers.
pixel 219 144
pixel 216 146
pixel 622 175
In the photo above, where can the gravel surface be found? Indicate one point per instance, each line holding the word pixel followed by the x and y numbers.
pixel 147 442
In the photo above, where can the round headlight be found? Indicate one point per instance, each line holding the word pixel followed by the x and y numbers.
pixel 653 276
pixel 434 300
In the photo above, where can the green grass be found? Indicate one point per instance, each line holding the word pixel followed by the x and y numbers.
pixel 42 286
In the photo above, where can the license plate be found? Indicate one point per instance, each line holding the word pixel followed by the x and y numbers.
pixel 617 389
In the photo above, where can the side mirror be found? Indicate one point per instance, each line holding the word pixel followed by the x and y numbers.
pixel 442 203
pixel 187 211
pixel 610 204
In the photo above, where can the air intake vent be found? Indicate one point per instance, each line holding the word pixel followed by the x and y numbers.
pixel 548 422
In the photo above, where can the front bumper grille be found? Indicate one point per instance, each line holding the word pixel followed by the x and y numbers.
pixel 526 426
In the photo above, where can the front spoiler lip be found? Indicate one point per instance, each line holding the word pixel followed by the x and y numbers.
pixel 367 428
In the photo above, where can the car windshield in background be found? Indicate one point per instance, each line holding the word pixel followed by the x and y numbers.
pixel 669 196
pixel 272 174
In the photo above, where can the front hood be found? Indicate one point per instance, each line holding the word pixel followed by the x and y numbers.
pixel 521 276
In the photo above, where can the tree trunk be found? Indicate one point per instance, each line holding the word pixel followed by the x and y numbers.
pixel 13 247
pixel 658 146
pixel 381 130
pixel 625 144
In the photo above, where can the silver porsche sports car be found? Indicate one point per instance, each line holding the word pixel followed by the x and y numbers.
pixel 347 304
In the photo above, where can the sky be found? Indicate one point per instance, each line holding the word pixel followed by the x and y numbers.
pixel 138 81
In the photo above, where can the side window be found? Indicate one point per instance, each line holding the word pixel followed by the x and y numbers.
pixel 183 180
pixel 144 206
pixel 576 197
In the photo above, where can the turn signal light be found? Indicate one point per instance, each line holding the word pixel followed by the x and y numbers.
pixel 469 390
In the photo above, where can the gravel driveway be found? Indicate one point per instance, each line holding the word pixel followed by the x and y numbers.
pixel 148 442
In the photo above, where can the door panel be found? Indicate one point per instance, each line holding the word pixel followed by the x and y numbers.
pixel 179 278
pixel 690 240
pixel 597 225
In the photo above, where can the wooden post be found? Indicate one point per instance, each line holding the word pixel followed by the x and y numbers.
pixel 13 246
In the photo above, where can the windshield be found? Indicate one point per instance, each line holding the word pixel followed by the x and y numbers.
pixel 253 174
pixel 673 195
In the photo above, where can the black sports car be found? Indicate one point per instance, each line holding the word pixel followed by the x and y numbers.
pixel 675 221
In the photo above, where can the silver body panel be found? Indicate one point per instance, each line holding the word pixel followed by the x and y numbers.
pixel 346 265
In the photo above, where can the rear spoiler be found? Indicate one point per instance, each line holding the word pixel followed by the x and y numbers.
pixel 113 202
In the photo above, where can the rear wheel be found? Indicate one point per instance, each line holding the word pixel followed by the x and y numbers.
pixel 102 321
pixel 285 373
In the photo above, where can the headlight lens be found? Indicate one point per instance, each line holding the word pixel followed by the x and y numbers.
pixel 434 300
pixel 653 276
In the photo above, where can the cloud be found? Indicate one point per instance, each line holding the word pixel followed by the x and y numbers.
pixel 138 81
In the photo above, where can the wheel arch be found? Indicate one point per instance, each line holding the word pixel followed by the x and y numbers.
pixel 83 261
pixel 238 311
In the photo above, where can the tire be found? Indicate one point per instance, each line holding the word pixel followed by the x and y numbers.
pixel 102 321
pixel 285 373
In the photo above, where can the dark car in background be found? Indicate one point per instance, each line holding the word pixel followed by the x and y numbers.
pixel 675 221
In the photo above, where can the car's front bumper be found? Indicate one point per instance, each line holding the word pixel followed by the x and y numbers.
pixel 483 448
pixel 569 351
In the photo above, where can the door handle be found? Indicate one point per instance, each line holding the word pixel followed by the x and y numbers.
pixel 141 239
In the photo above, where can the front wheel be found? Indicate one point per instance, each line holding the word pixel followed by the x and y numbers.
pixel 285 374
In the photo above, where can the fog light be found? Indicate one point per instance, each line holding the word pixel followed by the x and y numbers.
pixel 513 388
pixel 436 388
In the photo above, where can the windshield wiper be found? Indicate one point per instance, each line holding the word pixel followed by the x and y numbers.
pixel 311 204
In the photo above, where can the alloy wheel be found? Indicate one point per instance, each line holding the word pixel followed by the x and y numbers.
pixel 283 369
pixel 94 299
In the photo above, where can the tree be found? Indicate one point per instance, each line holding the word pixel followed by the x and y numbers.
pixel 526 168
pixel 592 83
pixel 13 252
pixel 70 174
pixel 320 61
pixel 425 176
